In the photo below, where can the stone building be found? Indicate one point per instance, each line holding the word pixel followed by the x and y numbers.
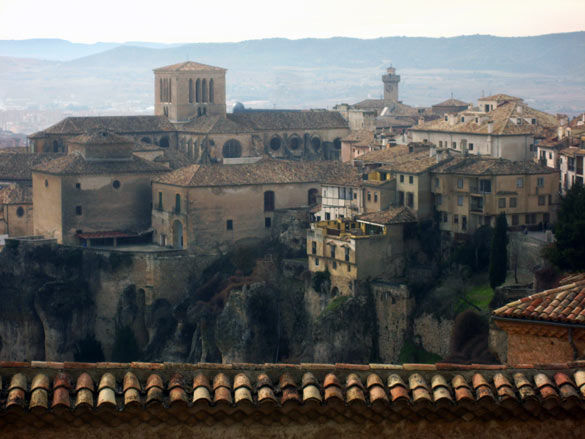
pixel 470 191
pixel 544 326
pixel 571 166
pixel 206 207
pixel 369 247
pixel 501 126
pixel 190 116
pixel 99 193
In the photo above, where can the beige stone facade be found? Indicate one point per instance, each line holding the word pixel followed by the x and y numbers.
pixel 571 167
pixel 16 217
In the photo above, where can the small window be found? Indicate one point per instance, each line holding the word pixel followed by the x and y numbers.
pixel 460 183
pixel 78 210
pixel 519 182
pixel 267 222
pixel 513 202
pixel 177 203
pixel 20 212
pixel 410 179
pixel 470 146
pixel 540 182
pixel 347 254
pixel 410 199
pixel 454 145
pixel 369 196
pixel 116 184
pixel 541 200
pixel 375 197
pixel 437 182
pixel 229 224
pixel 515 220
pixel 327 216
pixel 455 219
pixel 314 247
pixel 439 199
pixel 502 203
pixel 46 183
pixel 460 200
pixel 78 186
pixel 402 179
pixel 333 251
pixel 348 267
pixel 268 201
pixel 462 119
pixel 445 217
pixel 334 264
pixel 316 261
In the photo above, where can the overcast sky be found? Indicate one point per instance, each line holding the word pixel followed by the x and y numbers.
pixel 223 20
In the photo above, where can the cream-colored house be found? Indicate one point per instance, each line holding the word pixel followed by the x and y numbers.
pixel 571 166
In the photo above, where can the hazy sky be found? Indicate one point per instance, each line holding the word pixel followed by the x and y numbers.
pixel 231 20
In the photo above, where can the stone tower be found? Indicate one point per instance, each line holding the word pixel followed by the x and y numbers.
pixel 187 90
pixel 391 80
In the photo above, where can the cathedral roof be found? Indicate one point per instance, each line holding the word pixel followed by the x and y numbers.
pixel 18 166
pixel 189 66
pixel 118 124
pixel 452 103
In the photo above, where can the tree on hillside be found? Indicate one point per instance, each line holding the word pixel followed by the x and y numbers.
pixel 499 252
pixel 568 252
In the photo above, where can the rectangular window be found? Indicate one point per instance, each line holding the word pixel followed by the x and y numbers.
pixel 369 196
pixel 400 198
pixel 519 182
pixel 410 179
pixel 78 210
pixel 437 182
pixel 454 145
pixel 445 217
pixel 316 261
pixel 410 199
pixel 502 203
pixel 267 222
pixel 485 186
pixel 314 247
pixel 471 146
pixel 348 267
pixel 327 216
pixel 160 201
pixel 78 186
pixel 513 202
pixel 334 265
pixel 540 182
pixel 455 219
pixel 439 199
pixel 347 254
pixel 549 199
pixel 460 200
pixel 333 251
pixel 229 225
pixel 541 200
pixel 440 143
pixel 401 178
pixel 515 220
pixel 460 183
pixel 463 222
pixel 375 197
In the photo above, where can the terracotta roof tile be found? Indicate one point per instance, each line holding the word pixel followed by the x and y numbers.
pixel 563 304
pixel 392 215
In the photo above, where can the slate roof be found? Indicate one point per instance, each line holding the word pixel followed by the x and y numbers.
pixel 118 124
pixel 266 171
pixel 245 122
pixel 503 118
pixel 48 394
pixel 14 193
pixel 188 66
pixel 564 304
pixel 393 215
pixel 75 164
pixel 481 165
pixel 18 166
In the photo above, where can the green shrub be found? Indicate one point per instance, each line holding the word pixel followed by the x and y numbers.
pixel 319 278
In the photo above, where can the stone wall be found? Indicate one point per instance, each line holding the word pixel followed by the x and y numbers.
pixel 433 333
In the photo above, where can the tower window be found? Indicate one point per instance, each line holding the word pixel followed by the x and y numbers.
pixel 116 184
pixel 211 91
pixel 269 201
pixel 229 224
pixel 78 210
pixel 267 222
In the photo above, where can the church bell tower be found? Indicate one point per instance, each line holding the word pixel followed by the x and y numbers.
pixel 391 80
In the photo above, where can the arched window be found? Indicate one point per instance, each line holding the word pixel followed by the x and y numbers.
pixel 55 146
pixel 337 143
pixel 190 91
pixel 312 196
pixel 232 149
pixel 294 142
pixel 164 142
pixel 204 90
pixel 177 203
pixel 198 91
pixel 316 143
pixel 268 201
pixel 211 92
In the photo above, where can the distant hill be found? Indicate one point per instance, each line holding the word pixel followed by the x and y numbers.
pixel 548 70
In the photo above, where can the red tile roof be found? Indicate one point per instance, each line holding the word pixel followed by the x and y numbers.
pixel 564 304
pixel 393 215
pixel 48 393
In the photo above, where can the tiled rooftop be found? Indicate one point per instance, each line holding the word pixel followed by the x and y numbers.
pixel 266 171
pixel 500 97
pixel 504 121
pixel 101 137
pixel 394 108
pixel 18 166
pixel 189 66
pixel 481 165
pixel 49 394
pixel 564 304
pixel 386 155
pixel 393 215
pixel 572 151
pixel 75 164
pixel 118 124
pixel 451 103
pixel 360 138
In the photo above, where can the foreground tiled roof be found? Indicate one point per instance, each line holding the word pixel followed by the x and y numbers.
pixel 564 304
pixel 245 122
pixel 481 165
pixel 18 166
pixel 118 124
pixel 266 171
pixel 75 164
pixel 393 215
pixel 53 394
pixel 14 193
pixel 189 66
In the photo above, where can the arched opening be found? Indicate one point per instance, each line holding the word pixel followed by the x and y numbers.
pixel 269 201
pixel 190 91
pixel 146 140
pixel 232 149
pixel 198 91
pixel 316 143
pixel 275 143
pixel 313 196
pixel 204 90
pixel 55 146
pixel 337 143
pixel 177 203
pixel 294 142
pixel 164 142
pixel 178 234
pixel 20 212
pixel 211 92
